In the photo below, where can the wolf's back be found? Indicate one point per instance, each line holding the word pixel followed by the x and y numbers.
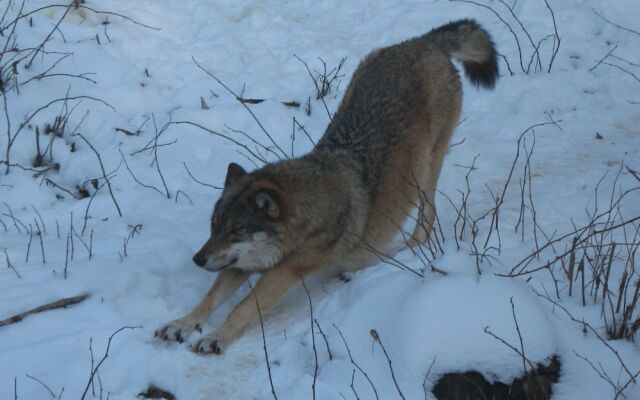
pixel 467 41
pixel 395 86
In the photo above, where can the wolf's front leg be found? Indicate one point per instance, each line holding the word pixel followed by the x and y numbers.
pixel 226 283
pixel 272 286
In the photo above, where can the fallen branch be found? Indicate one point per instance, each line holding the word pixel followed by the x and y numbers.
pixel 62 303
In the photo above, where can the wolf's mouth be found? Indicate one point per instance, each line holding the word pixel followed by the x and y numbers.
pixel 224 266
pixel 232 262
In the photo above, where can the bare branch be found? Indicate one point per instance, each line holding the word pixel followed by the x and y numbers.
pixel 243 104
pixel 9 265
pixel 557 40
pixel 104 173
pixel 313 342
pixel 62 303
pixel 135 178
pixel 614 24
pixel 94 371
pixel 53 396
pixel 353 362
pixel 376 338
pixel 155 155
pixel 264 342
pixel 197 180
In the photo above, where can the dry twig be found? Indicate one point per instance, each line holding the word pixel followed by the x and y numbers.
pixel 62 303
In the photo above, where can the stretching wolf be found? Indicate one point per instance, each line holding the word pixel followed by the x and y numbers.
pixel 342 204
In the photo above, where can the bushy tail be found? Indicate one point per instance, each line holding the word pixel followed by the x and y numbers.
pixel 467 41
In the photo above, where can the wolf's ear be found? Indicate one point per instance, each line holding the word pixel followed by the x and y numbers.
pixel 267 201
pixel 234 172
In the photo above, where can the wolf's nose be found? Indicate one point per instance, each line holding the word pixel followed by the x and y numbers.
pixel 200 259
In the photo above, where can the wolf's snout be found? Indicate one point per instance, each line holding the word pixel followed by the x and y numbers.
pixel 200 259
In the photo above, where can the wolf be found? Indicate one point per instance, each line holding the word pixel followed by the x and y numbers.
pixel 341 205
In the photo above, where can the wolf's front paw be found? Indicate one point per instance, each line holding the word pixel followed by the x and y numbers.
pixel 209 344
pixel 177 330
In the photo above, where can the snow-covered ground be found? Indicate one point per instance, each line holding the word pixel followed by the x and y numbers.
pixel 140 272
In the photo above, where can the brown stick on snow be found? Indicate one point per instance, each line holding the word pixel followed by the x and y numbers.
pixel 69 301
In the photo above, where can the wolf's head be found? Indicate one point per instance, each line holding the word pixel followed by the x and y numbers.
pixel 245 226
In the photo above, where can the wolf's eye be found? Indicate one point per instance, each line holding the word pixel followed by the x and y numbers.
pixel 237 230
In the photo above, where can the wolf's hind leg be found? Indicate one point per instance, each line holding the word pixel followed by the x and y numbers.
pixel 226 284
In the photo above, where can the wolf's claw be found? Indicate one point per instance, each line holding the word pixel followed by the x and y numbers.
pixel 177 330
pixel 207 345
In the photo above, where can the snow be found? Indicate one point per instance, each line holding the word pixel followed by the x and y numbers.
pixel 149 75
